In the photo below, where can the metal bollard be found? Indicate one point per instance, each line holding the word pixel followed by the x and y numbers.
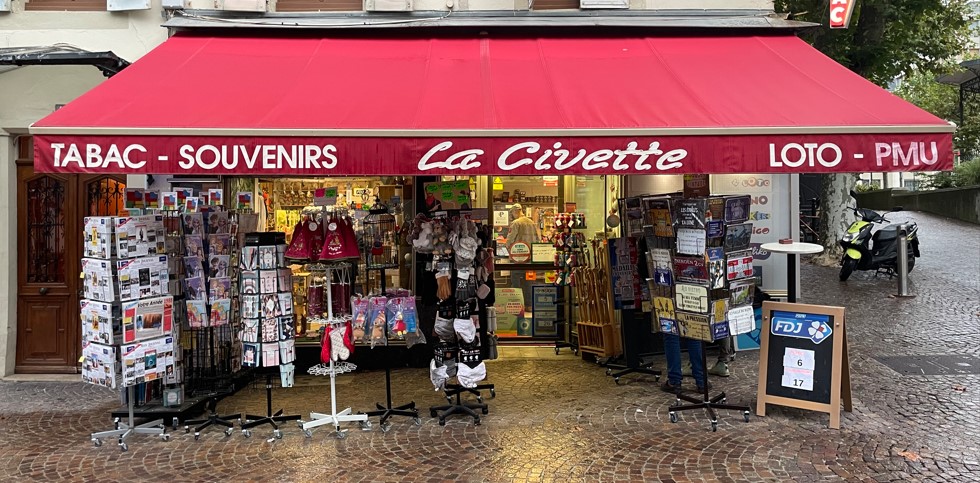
pixel 902 264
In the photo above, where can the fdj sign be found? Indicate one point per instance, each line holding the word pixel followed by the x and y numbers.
pixel 801 326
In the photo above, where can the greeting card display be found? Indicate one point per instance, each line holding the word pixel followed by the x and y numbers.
pixel 701 327
pixel 139 236
pixel 143 277
pixel 716 268
pixel 737 208
pixel 250 330
pixel 691 269
pixel 740 265
pixel 194 245
pixel 148 318
pixel 100 282
pixel 148 360
pixel 738 237
pixel 250 258
pixel 690 213
pixel 101 322
pixel 660 217
pixel 220 312
pixel 251 306
pixel 197 313
pixel 99 234
pixel 100 365
pixel 219 288
pixel 287 351
pixel 250 282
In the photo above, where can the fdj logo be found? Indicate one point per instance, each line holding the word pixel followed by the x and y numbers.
pixel 799 326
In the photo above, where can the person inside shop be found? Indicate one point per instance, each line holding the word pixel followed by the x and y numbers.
pixel 672 350
pixel 522 229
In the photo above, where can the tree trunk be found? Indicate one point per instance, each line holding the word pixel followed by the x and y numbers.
pixel 834 216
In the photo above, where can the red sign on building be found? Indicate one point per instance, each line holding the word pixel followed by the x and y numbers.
pixel 840 13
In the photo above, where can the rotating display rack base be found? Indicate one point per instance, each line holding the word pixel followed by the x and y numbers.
pixel 708 403
pixel 213 419
pixel 124 430
pixel 442 412
pixel 622 370
pixel 334 418
pixel 272 419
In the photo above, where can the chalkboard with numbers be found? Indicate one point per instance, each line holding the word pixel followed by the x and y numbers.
pixel 803 359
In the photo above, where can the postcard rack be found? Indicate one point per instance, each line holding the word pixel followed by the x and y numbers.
pixel 332 369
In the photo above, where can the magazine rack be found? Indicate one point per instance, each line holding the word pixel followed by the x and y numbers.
pixel 129 428
pixel 333 418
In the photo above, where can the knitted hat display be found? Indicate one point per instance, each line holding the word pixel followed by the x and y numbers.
pixel 299 245
pixel 315 229
pixel 350 249
pixel 333 244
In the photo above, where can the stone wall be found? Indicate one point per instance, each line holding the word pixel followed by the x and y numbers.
pixel 958 203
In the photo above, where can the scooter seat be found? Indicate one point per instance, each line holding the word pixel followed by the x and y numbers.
pixel 886 234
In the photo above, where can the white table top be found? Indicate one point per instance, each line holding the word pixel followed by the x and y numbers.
pixel 795 248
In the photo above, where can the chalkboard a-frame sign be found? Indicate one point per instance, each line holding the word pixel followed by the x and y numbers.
pixel 803 359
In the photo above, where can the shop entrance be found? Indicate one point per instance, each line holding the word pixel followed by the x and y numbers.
pixel 50 209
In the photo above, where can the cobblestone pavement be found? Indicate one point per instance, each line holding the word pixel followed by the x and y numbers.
pixel 561 418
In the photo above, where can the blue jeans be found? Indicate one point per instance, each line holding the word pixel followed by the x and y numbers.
pixel 672 349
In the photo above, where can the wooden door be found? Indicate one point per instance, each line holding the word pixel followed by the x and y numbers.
pixel 50 209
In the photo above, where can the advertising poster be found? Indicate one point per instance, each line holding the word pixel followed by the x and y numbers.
pixel 144 319
pixel 509 304
pixel 447 195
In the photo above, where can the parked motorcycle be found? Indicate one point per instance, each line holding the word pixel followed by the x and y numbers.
pixel 865 249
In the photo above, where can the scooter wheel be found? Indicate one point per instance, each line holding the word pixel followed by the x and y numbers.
pixel 847 267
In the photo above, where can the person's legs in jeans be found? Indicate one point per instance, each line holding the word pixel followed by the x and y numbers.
pixel 694 351
pixel 672 351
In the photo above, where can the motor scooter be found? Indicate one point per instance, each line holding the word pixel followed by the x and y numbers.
pixel 866 249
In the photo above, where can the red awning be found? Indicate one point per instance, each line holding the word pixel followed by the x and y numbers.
pixel 488 105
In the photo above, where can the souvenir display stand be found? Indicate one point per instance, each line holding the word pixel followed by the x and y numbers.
pixel 268 321
pixel 461 253
pixel 570 258
pixel 378 241
pixel 622 259
pixel 332 368
pixel 127 315
pixel 211 301
pixel 700 259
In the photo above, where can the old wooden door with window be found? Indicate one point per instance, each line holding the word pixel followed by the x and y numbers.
pixel 50 209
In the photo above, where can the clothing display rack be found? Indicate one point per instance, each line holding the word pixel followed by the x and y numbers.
pixel 708 403
pixel 129 428
pixel 331 369
pixel 378 225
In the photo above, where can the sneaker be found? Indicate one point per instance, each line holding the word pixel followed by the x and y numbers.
pixel 671 388
pixel 686 369
pixel 720 369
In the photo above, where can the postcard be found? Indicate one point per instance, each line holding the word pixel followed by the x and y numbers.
pixel 220 312
pixel 219 244
pixel 194 289
pixel 197 313
pixel 219 288
pixel 194 245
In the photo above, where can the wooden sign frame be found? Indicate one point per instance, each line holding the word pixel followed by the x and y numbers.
pixel 840 384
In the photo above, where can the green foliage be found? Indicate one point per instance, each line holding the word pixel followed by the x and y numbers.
pixel 887 38
pixel 938 181
pixel 921 89
pixel 963 175
pixel 967 173
pixel 865 187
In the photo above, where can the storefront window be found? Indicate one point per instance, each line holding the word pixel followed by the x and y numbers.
pixel 524 209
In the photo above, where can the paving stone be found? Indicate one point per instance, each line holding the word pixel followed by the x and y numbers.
pixel 563 419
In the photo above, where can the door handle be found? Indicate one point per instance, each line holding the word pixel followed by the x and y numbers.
pixel 43 290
